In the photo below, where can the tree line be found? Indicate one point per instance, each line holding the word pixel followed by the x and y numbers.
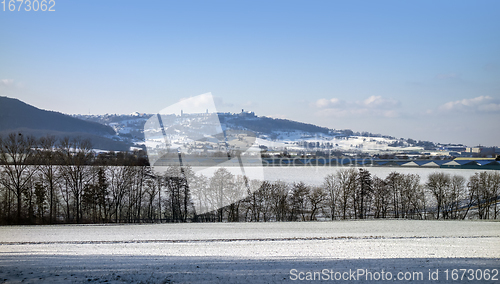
pixel 353 193
pixel 48 181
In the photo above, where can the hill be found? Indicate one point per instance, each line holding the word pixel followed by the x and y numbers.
pixel 268 125
pixel 17 116
pixel 272 134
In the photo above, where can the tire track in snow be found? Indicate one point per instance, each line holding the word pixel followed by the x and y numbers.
pixel 241 240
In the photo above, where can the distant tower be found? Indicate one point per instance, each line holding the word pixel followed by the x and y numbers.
pixel 242 110
pixel 181 112
pixel 207 110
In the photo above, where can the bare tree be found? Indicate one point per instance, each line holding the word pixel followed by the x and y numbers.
pixel 152 188
pixel 77 172
pixel 412 196
pixel 220 183
pixel 136 192
pixel 96 199
pixel 7 199
pixel 381 197
pixel 48 166
pixel 394 185
pixel 120 180
pixel 346 183
pixel 474 196
pixel 456 194
pixel 316 198
pixel 17 154
pixel 265 196
pixel 254 202
pixel 485 189
pixel 235 195
pixel 439 184
pixel 200 193
pixel 329 185
pixel 279 197
pixel 495 191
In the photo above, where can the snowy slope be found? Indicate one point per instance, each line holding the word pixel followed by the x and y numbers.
pixel 271 134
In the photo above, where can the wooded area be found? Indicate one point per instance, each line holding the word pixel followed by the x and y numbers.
pixel 49 181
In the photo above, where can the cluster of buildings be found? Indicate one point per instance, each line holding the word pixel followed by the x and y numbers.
pixel 470 152
pixel 457 163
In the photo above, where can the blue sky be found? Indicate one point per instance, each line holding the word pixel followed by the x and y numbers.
pixel 427 70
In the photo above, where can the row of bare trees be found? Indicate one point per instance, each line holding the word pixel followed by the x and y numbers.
pixel 46 181
pixel 354 194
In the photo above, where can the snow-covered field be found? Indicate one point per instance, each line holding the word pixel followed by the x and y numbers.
pixel 246 252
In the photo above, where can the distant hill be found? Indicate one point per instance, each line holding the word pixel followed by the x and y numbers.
pixel 17 116
pixel 132 126
pixel 273 133
pixel 267 125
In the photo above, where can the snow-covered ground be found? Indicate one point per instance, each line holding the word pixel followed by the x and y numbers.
pixel 293 141
pixel 244 252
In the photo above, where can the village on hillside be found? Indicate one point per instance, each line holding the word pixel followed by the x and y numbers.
pixel 203 138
